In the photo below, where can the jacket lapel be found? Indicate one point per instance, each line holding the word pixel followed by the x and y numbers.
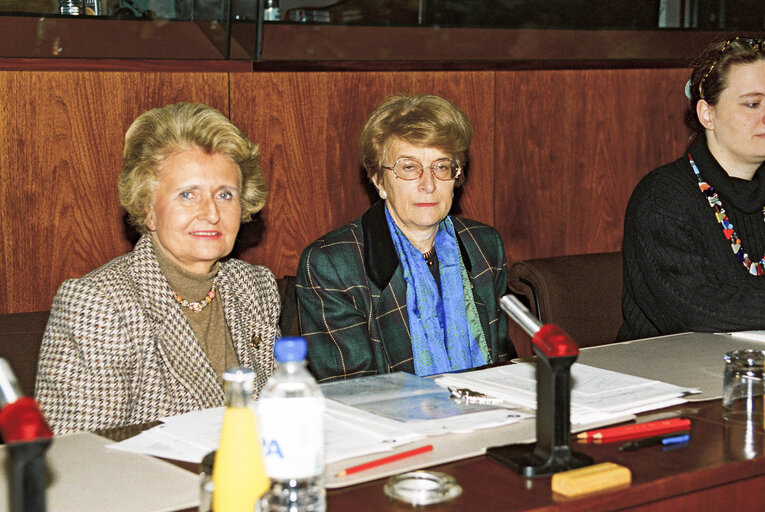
pixel 185 361
pixel 388 290
pixel 393 324
pixel 236 322
pixel 482 288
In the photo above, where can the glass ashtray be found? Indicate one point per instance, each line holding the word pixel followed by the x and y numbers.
pixel 422 487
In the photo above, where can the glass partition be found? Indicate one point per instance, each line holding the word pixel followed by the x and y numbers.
pixel 305 30
pixel 549 14
pixel 120 29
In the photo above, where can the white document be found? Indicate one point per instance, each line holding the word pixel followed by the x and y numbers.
pixel 749 335
pixel 348 432
pixel 186 437
pixel 191 436
pixel 693 360
pixel 596 394
pixel 351 432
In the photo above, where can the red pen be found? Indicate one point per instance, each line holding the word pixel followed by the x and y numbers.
pixel 385 460
pixel 635 430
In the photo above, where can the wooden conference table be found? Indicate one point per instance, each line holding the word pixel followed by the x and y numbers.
pixel 722 468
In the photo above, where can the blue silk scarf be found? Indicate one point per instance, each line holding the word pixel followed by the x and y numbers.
pixel 442 339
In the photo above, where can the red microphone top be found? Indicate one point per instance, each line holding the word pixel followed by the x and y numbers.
pixel 554 342
pixel 23 421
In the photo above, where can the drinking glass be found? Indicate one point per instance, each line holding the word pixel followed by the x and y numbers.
pixel 743 387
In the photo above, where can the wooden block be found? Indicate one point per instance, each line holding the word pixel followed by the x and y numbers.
pixel 591 479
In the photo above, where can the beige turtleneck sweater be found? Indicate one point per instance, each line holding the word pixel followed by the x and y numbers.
pixel 209 325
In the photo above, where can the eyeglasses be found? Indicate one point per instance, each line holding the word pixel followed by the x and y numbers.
pixel 407 169
pixel 756 45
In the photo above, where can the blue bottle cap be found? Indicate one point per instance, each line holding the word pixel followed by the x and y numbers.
pixel 290 348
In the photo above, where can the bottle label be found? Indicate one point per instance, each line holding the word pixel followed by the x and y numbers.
pixel 292 431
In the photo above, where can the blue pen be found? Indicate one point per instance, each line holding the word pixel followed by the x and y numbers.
pixel 678 442
pixel 675 438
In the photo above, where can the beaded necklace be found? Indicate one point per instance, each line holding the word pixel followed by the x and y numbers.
pixel 198 306
pixel 429 256
pixel 756 268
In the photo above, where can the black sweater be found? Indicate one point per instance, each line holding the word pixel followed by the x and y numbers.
pixel 680 273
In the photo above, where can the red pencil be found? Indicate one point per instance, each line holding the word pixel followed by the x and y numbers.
pixel 635 437
pixel 635 430
pixel 385 460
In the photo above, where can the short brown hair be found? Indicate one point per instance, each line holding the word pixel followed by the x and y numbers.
pixel 422 120
pixel 710 72
pixel 159 133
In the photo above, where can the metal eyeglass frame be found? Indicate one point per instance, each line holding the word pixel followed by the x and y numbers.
pixel 432 165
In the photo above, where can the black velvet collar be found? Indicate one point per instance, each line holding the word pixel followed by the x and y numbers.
pixel 380 258
pixel 745 195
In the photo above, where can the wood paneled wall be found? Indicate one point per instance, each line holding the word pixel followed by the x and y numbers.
pixel 554 159
pixel 308 125
pixel 61 139
pixel 570 148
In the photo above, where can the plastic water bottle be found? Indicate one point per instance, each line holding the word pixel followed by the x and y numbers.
pixel 291 416
pixel 238 475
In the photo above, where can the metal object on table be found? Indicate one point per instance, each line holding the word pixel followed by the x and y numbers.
pixel 420 488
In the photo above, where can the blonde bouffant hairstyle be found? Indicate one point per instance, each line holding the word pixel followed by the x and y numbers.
pixel 159 133
pixel 423 120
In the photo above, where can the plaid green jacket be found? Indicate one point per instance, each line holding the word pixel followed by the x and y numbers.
pixel 352 297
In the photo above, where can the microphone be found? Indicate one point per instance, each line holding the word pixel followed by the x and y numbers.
pixel 24 428
pixel 556 352
pixel 550 339
pixel 20 417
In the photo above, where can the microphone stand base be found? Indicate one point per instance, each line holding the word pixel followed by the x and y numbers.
pixel 523 459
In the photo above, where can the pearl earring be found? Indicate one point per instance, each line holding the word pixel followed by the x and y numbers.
pixel 383 194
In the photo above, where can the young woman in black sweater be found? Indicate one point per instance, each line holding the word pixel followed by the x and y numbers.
pixel 694 233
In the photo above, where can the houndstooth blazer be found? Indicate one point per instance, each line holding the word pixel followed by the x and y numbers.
pixel 118 349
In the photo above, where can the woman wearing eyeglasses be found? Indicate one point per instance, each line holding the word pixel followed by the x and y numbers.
pixel 406 287
pixel 694 234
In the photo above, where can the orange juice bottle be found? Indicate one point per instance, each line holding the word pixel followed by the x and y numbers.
pixel 239 476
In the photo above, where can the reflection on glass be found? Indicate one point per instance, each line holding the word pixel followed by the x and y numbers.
pixel 742 403
pixel 127 9
pixel 743 441
pixel 555 14
pixel 234 29
pixel 743 386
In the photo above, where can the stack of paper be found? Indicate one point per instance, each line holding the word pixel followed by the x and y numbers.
pixel 380 413
pixel 186 437
pixel 596 394
pixel 363 416
pixel 400 407
pixel 749 335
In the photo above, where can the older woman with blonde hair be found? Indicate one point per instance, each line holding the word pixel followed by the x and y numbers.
pixel 150 333
pixel 406 287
